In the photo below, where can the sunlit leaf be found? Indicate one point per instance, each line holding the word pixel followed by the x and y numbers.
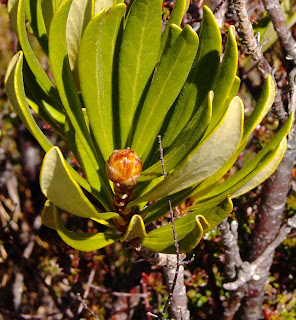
pixel 60 188
pixel 137 59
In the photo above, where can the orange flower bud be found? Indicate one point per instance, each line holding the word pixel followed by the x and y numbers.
pixel 124 167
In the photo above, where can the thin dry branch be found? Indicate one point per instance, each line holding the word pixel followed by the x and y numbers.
pixel 250 41
pixel 276 15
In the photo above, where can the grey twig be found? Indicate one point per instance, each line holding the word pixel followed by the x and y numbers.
pixel 252 271
pixel 229 242
pixel 249 40
pixel 171 289
pixel 86 307
pixel 277 18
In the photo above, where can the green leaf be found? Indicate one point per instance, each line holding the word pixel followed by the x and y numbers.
pixel 35 17
pixel 189 228
pixel 208 158
pixel 47 215
pixel 224 80
pixel 82 241
pixel 59 187
pixel 103 4
pixel 160 208
pixel 263 105
pixel 272 151
pixel 174 32
pixel 200 79
pixel 185 143
pixel 95 71
pixel 138 57
pixel 12 6
pixel 219 213
pixel 78 18
pixel 165 87
pixel 43 104
pixel 66 86
pixel 92 176
pixel 265 173
pixel 176 17
pixel 192 239
pixel 48 10
pixel 14 87
pixel 31 59
pixel 135 229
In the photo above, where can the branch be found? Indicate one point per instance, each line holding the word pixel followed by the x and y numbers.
pixel 86 307
pixel 175 274
pixel 277 18
pixel 249 40
pixel 229 241
pixel 252 271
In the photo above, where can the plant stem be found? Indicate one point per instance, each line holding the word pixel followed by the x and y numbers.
pixel 249 40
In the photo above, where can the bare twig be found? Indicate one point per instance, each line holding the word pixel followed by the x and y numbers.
pixel 247 35
pixel 219 6
pixel 276 15
pixel 171 289
pixel 86 307
pixel 252 270
pixel 22 316
pixel 88 285
pixel 228 242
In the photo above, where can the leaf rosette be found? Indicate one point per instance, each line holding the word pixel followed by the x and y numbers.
pixel 119 81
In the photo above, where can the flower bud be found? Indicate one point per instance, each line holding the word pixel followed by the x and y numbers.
pixel 124 167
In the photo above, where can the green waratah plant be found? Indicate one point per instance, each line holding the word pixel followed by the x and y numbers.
pixel 118 81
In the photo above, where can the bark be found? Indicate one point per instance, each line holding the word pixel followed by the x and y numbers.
pixel 179 309
pixel 267 227
pixel 249 40
pixel 277 17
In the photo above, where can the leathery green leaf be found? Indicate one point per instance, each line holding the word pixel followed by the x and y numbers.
pixel 219 213
pixel 14 87
pixel 35 17
pixel 194 223
pixel 44 106
pixel 103 4
pixel 87 166
pixel 60 188
pixel 96 57
pixel 263 105
pixel 261 160
pixel 225 78
pixel 265 173
pixel 64 80
pixel 31 59
pixel 209 157
pixel 165 87
pixel 180 8
pixel 174 32
pixel 135 229
pixel 78 18
pixel 138 57
pixel 200 79
pixel 192 239
pixel 161 208
pixel 47 215
pixel 12 6
pixel 185 143
pixel 82 241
